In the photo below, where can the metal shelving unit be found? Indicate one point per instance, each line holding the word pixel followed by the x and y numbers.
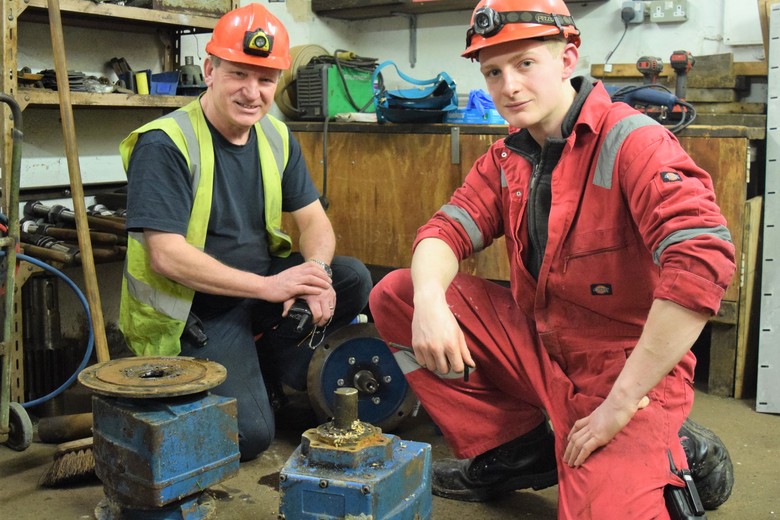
pixel 768 388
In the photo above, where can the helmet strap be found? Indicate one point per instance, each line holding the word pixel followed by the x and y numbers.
pixel 488 21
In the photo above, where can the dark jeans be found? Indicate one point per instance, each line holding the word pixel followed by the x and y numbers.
pixel 233 343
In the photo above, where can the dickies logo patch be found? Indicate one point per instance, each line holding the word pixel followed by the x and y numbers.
pixel 601 289
pixel 671 177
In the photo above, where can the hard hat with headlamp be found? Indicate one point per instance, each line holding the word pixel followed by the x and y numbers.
pixel 499 21
pixel 253 36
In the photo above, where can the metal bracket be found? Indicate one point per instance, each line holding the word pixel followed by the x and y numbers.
pixel 455 145
pixel 412 37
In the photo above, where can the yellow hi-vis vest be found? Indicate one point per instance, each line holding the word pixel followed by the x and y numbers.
pixel 154 309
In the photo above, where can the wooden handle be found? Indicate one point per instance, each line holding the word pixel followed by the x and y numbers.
pixel 65 427
pixel 76 187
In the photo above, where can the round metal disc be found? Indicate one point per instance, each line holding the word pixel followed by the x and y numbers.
pixel 353 353
pixel 151 377
pixel 20 427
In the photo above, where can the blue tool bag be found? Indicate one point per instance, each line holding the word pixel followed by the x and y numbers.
pixel 427 102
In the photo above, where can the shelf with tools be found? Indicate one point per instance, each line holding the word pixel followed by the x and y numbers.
pixel 151 37
pixel 43 97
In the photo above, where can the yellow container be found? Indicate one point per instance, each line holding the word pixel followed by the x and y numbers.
pixel 142 82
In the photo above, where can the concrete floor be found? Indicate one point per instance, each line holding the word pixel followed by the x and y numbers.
pixel 751 437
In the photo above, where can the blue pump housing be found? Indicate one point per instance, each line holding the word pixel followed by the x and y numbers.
pixel 152 452
pixel 385 478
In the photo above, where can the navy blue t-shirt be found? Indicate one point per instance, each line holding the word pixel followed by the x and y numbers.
pixel 160 198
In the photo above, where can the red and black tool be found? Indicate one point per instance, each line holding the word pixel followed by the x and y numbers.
pixel 650 67
pixel 682 62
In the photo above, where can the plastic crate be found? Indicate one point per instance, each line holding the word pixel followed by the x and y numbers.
pixel 164 83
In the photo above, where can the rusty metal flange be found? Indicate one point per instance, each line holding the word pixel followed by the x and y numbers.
pixel 152 377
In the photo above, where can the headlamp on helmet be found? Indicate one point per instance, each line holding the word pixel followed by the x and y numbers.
pixel 258 43
pixel 488 22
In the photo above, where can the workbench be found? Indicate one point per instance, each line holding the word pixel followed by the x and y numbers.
pixel 383 181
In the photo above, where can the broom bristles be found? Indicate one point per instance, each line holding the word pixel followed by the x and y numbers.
pixel 74 462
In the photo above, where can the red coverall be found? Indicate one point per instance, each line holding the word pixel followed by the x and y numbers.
pixel 650 228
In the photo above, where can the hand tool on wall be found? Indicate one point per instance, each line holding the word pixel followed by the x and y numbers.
pixel 43 228
pixel 682 62
pixel 59 214
pixel 650 67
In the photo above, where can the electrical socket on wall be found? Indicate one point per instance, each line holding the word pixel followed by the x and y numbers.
pixel 638 9
pixel 668 11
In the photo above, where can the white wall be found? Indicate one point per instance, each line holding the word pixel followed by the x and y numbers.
pixel 441 36
pixel 440 39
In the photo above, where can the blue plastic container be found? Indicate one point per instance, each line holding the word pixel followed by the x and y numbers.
pixel 479 110
pixel 164 83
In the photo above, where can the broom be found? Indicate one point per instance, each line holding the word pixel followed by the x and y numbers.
pixel 74 461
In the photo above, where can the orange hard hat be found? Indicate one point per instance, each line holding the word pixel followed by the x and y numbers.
pixel 253 36
pixel 499 21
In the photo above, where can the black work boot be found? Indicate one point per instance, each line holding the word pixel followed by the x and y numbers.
pixel 526 462
pixel 709 462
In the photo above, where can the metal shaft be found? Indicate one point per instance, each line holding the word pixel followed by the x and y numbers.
pixel 345 413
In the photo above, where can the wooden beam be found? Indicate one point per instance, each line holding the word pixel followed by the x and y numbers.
pixel 747 350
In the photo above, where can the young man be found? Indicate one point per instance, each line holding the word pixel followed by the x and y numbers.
pixel 207 185
pixel 618 256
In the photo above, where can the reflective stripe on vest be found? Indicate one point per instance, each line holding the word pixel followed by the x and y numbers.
pixel 153 308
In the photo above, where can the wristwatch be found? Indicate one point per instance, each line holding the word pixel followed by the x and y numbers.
pixel 325 266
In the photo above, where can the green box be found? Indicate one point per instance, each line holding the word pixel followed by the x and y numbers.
pixel 321 92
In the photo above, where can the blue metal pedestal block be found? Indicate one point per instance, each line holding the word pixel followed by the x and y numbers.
pixel 349 469
pixel 160 439
pixel 153 452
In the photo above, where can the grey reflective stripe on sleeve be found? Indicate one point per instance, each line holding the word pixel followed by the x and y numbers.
pixel 465 220
pixel 720 232
pixel 276 142
pixel 406 361
pixel 503 179
pixel 611 146
pixel 193 146
pixel 175 308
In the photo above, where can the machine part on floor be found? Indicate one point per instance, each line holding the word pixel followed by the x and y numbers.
pixel 356 356
pixel 8 244
pixel 349 469
pixel 160 438
pixel 20 428
pixel 153 377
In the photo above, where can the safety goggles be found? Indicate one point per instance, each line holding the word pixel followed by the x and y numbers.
pixel 488 21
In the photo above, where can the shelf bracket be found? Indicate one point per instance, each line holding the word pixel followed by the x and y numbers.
pixel 412 36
